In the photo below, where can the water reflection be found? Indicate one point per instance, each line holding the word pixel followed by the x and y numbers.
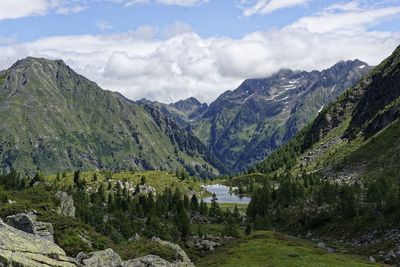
pixel 224 194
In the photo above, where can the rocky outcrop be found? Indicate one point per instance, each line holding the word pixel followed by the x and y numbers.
pixel 66 204
pixel 148 261
pixel 18 248
pixel 182 259
pixel 28 223
pixel 204 244
pixel 25 242
pixel 100 258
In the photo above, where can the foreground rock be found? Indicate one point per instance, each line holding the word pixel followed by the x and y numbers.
pixel 182 259
pixel 24 242
pixel 28 223
pixel 18 248
pixel 66 204
pixel 100 258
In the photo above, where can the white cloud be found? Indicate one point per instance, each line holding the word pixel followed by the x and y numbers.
pixel 182 64
pixel 11 9
pixel 348 17
pixel 139 65
pixel 264 7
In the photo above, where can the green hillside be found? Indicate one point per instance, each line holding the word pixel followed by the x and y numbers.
pixel 54 119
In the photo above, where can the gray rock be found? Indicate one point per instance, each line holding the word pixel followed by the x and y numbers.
pixel 148 261
pixel 28 223
pixel 203 244
pixel 182 259
pixel 18 248
pixel 136 237
pixel 100 259
pixel 66 204
pixel 11 202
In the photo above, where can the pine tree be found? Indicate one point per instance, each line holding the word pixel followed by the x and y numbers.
pixel 143 180
pixel 194 203
pixel 236 214
pixel 183 223
pixel 214 207
pixel 77 178
pixel 203 209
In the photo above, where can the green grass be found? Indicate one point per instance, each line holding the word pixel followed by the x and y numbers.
pixel 207 229
pixel 157 179
pixel 380 154
pixel 2 78
pixel 241 206
pixel 273 249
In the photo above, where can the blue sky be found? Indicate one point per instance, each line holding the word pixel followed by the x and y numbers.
pixel 214 18
pixel 171 49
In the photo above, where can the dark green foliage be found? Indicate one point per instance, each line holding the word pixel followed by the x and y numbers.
pixel 13 180
pixel 194 203
pixel 214 207
pixel 231 227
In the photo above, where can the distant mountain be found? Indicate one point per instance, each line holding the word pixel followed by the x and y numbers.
pixel 184 112
pixel 245 125
pixel 356 137
pixel 54 119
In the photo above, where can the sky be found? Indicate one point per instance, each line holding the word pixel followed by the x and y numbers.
pixel 167 50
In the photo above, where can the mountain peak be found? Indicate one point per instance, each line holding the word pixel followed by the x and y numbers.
pixel 186 104
pixel 29 61
pixel 349 64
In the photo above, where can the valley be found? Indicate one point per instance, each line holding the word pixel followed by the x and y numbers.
pixel 297 169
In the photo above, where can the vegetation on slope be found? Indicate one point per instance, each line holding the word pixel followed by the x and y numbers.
pixel 272 249
pixel 55 119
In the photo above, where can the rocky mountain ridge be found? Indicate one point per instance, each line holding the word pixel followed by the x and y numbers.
pixel 245 125
pixel 54 119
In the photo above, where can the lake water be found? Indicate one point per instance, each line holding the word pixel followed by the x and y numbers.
pixel 224 195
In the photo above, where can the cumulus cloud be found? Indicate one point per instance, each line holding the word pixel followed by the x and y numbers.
pixel 173 62
pixel 11 9
pixel 139 65
pixel 263 7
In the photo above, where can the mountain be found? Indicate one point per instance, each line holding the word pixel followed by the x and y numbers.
pixel 184 112
pixel 245 125
pixel 356 137
pixel 54 119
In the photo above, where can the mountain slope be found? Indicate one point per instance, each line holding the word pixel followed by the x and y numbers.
pixel 55 119
pixel 245 125
pixel 356 137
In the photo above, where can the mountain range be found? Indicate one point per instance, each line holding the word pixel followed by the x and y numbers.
pixel 243 126
pixel 355 138
pixel 53 119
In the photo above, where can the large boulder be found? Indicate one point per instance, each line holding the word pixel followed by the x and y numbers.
pixel 100 258
pixel 28 223
pixel 148 261
pixel 66 204
pixel 18 248
pixel 182 259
